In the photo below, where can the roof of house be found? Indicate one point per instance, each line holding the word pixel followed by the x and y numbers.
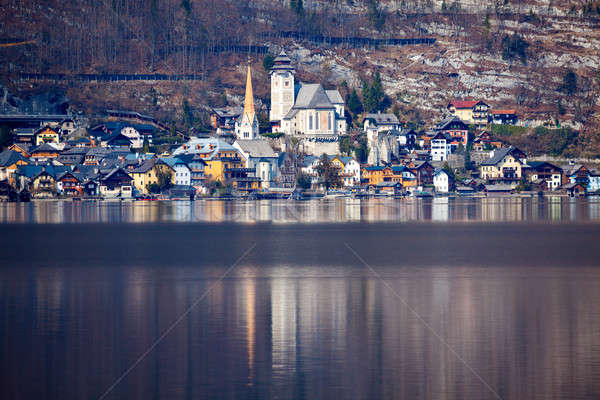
pixel 498 188
pixel 202 145
pixel 374 168
pixel 537 164
pixel 228 112
pixel 146 166
pixel 43 148
pixel 464 103
pixel 496 112
pixel 9 157
pixel 383 118
pixel 499 155
pixel 308 160
pixel 256 148
pixel 447 121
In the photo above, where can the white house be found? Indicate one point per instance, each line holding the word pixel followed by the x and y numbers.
pixel 442 181
pixel 381 122
pixel 136 139
pixel 351 170
pixel 182 172
pixel 440 147
pixel 259 156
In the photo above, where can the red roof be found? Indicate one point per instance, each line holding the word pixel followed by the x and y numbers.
pixel 504 112
pixel 464 103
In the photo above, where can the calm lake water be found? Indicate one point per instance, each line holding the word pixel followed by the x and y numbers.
pixel 411 299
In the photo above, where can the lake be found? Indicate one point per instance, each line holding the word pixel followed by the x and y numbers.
pixel 355 299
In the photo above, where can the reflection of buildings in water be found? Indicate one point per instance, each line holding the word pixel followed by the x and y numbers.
pixel 555 204
pixel 49 288
pixel 284 305
pixel 182 210
pixel 440 209
pixel 351 209
pixel 593 208
pixel 250 304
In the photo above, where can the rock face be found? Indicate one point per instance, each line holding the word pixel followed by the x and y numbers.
pixel 49 102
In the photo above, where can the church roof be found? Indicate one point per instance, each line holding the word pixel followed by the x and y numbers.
pixel 312 96
pixel 334 96
pixel 282 62
pixel 249 99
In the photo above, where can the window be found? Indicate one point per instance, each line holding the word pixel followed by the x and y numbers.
pixel 286 83
pixel 310 122
pixel 329 124
pixel 317 120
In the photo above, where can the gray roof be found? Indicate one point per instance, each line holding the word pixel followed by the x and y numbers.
pixel 499 155
pixel 145 167
pixel 312 96
pixel 498 188
pixel 9 157
pixel 257 148
pixel 383 119
pixel 334 96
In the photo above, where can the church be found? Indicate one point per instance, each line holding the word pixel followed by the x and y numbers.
pixel 306 111
pixel 246 126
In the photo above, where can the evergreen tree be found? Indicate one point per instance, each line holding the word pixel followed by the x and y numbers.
pixel 353 102
pixel 569 85
pixel 268 62
pixel 5 137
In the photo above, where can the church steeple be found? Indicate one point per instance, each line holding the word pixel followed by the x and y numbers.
pixel 246 126
pixel 249 112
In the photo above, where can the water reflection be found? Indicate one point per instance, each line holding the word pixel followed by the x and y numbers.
pixel 530 332
pixel 438 209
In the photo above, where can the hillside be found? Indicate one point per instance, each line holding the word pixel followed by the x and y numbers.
pixel 513 54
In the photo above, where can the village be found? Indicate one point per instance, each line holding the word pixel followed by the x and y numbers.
pixel 304 155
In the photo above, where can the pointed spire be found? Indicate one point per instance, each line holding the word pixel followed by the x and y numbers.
pixel 249 99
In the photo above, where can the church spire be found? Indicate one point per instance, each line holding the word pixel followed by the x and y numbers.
pixel 249 99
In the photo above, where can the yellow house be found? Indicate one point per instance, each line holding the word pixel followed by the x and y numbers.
pixel 147 174
pixel 46 135
pixel 471 111
pixel 504 164
pixel 218 162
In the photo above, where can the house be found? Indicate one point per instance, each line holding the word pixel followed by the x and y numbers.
pixel 407 138
pixel 225 117
pixel 471 111
pixel 148 173
pixel 372 175
pixel 67 126
pixel 39 180
pixel 574 189
pixel 116 183
pixel 181 171
pixel 24 135
pixel 455 129
pixel 505 165
pixel 423 170
pixel 69 184
pixel 349 170
pixel 260 158
pixel 217 154
pixel 44 152
pixel 197 167
pixel 118 140
pixel 95 155
pixel 72 156
pixel 22 148
pixel 381 122
pixel 484 141
pixel 46 134
pixel 498 189
pixel 443 181
pixel 287 170
pixel 440 147
pixel 594 184
pixel 503 117
pixel 550 173
pixel 577 173
pixel 9 162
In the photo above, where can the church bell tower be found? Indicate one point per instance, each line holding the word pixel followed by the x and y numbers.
pixel 282 89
